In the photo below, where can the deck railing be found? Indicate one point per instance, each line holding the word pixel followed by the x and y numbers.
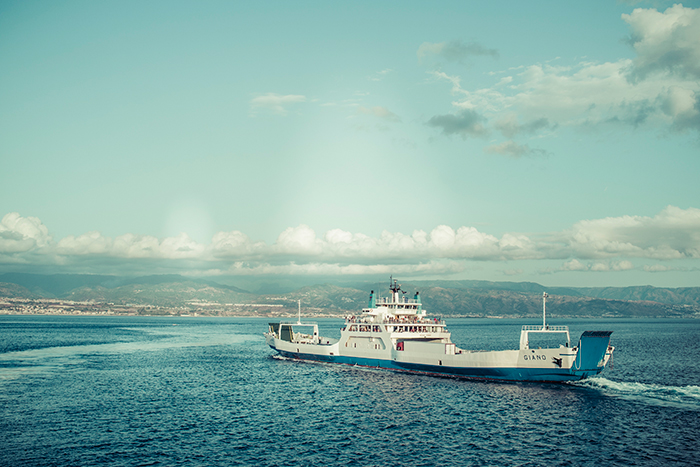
pixel 390 300
pixel 398 328
pixel 547 328
pixel 368 321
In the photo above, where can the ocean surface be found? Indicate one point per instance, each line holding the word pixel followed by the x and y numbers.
pixel 141 391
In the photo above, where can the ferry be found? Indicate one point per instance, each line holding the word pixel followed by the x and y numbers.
pixel 394 333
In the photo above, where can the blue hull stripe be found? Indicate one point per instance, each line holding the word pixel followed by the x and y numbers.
pixel 500 374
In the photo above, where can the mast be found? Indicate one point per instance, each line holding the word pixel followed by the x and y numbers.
pixel 544 310
pixel 299 313
pixel 395 287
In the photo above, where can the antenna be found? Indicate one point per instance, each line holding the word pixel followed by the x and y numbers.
pixel 395 286
pixel 544 310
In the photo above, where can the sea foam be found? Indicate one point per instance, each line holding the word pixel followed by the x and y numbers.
pixel 682 396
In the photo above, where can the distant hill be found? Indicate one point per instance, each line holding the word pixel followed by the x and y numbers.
pixel 678 296
pixel 17 291
pixel 322 297
pixel 507 303
pixel 55 285
pixel 71 286
pixel 446 298
pixel 670 296
pixel 169 294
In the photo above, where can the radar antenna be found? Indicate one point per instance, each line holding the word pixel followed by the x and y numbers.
pixel 395 286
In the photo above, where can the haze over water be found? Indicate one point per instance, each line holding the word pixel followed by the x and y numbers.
pixel 207 391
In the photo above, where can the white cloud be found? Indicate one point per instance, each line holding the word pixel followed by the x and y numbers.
pixel 129 246
pixel 275 103
pixel 136 246
pixel 587 94
pixel 657 268
pixel 659 87
pixel 597 266
pixel 298 241
pixel 623 266
pixel 607 244
pixel 20 234
pixel 91 243
pixel 665 42
pixel 672 234
pixel 573 265
pixel 234 244
pixel 181 247
pixel 441 242
pixel 337 269
pixel 455 80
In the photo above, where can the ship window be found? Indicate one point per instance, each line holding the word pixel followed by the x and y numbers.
pixel 546 341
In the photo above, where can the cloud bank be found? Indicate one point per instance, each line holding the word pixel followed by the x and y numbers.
pixel 608 244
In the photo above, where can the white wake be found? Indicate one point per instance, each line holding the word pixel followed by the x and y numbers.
pixel 680 396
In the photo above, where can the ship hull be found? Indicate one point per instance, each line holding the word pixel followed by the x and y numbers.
pixel 512 365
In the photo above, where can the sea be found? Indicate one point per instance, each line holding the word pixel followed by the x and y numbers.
pixel 199 391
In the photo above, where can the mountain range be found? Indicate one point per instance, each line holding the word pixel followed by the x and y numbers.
pixel 446 298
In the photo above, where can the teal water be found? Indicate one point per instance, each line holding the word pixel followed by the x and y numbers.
pixel 208 391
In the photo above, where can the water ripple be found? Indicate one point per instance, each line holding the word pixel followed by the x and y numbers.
pixel 210 392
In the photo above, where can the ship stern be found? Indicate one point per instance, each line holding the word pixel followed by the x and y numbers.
pixel 594 352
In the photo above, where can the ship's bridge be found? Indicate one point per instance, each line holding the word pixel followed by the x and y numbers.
pixel 402 317
pixel 396 304
pixel 405 306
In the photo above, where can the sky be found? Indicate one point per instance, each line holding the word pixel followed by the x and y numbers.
pixel 551 142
